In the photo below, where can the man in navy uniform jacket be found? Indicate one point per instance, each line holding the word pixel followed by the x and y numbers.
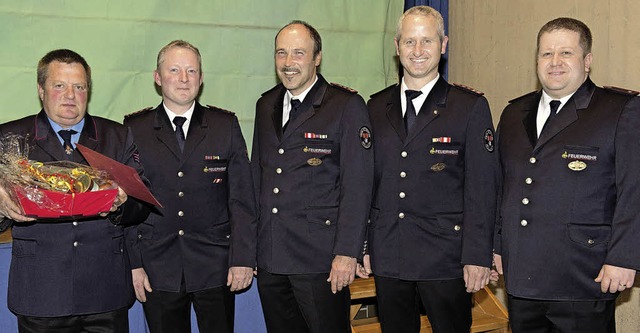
pixel 569 224
pixel 433 209
pixel 72 275
pixel 200 247
pixel 312 163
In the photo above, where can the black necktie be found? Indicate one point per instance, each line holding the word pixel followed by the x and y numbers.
pixel 553 107
pixel 410 113
pixel 66 137
pixel 295 105
pixel 179 121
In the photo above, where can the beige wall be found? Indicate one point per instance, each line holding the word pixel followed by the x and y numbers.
pixel 492 48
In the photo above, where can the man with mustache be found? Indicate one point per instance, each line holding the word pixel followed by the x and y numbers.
pixel 569 224
pixel 312 165
pixel 433 209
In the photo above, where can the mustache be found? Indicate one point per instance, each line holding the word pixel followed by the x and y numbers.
pixel 289 69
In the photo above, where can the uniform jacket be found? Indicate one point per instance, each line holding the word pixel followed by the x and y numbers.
pixel 208 220
pixel 434 198
pixel 73 267
pixel 570 198
pixel 313 181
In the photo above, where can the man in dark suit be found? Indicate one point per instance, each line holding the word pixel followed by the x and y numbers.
pixel 200 247
pixel 569 221
pixel 431 230
pixel 72 275
pixel 313 165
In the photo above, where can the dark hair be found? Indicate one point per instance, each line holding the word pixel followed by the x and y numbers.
pixel 62 55
pixel 317 41
pixel 571 24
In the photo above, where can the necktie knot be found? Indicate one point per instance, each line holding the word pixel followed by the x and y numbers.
pixel 295 104
pixel 411 94
pixel 66 137
pixel 179 121
pixel 553 106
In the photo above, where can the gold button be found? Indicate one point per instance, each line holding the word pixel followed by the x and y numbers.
pixel 525 201
pixel 276 190
pixel 403 174
pixel 75 244
pixel 401 215
pixel 180 174
pixel 280 151
pixel 75 223
pixel 404 154
pixel 532 160
pixel 590 242
pixel 278 171
pixel 528 181
pixel 524 223
pixel 456 227
pixel 401 195
pixel 181 194
pixel 435 111
pixel 274 210
pixel 180 213
pixel 327 222
pixel 181 232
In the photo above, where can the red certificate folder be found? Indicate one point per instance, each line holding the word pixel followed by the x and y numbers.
pixel 126 176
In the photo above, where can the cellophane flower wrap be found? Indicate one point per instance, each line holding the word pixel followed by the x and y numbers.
pixel 52 189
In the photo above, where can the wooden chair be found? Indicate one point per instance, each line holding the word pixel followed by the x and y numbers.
pixel 488 313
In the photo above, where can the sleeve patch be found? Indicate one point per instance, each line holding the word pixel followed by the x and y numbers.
pixel 489 143
pixel 365 137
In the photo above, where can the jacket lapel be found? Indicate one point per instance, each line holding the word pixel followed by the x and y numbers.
pixel 197 131
pixel 568 114
pixel 308 108
pixel 529 118
pixel 164 131
pixel 276 113
pixel 394 113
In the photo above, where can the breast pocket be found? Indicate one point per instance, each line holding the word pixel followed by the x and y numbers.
pixel 444 157
pixel 216 171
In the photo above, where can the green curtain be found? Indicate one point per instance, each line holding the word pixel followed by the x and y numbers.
pixel 120 40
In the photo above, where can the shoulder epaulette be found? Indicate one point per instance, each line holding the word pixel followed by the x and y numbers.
pixel 467 88
pixel 622 90
pixel 139 112
pixel 219 109
pixel 523 96
pixel 345 88
pixel 384 90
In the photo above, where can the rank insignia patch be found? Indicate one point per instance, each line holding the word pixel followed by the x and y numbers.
pixel 442 139
pixel 489 144
pixel 308 135
pixel 211 157
pixel 365 137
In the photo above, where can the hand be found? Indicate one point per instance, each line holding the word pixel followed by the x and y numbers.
pixel 121 198
pixel 140 283
pixel 614 278
pixel 343 271
pixel 475 277
pixel 10 209
pixel 497 263
pixel 364 270
pixel 239 277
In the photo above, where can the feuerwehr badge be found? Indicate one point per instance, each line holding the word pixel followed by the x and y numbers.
pixel 365 137
pixel 489 144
